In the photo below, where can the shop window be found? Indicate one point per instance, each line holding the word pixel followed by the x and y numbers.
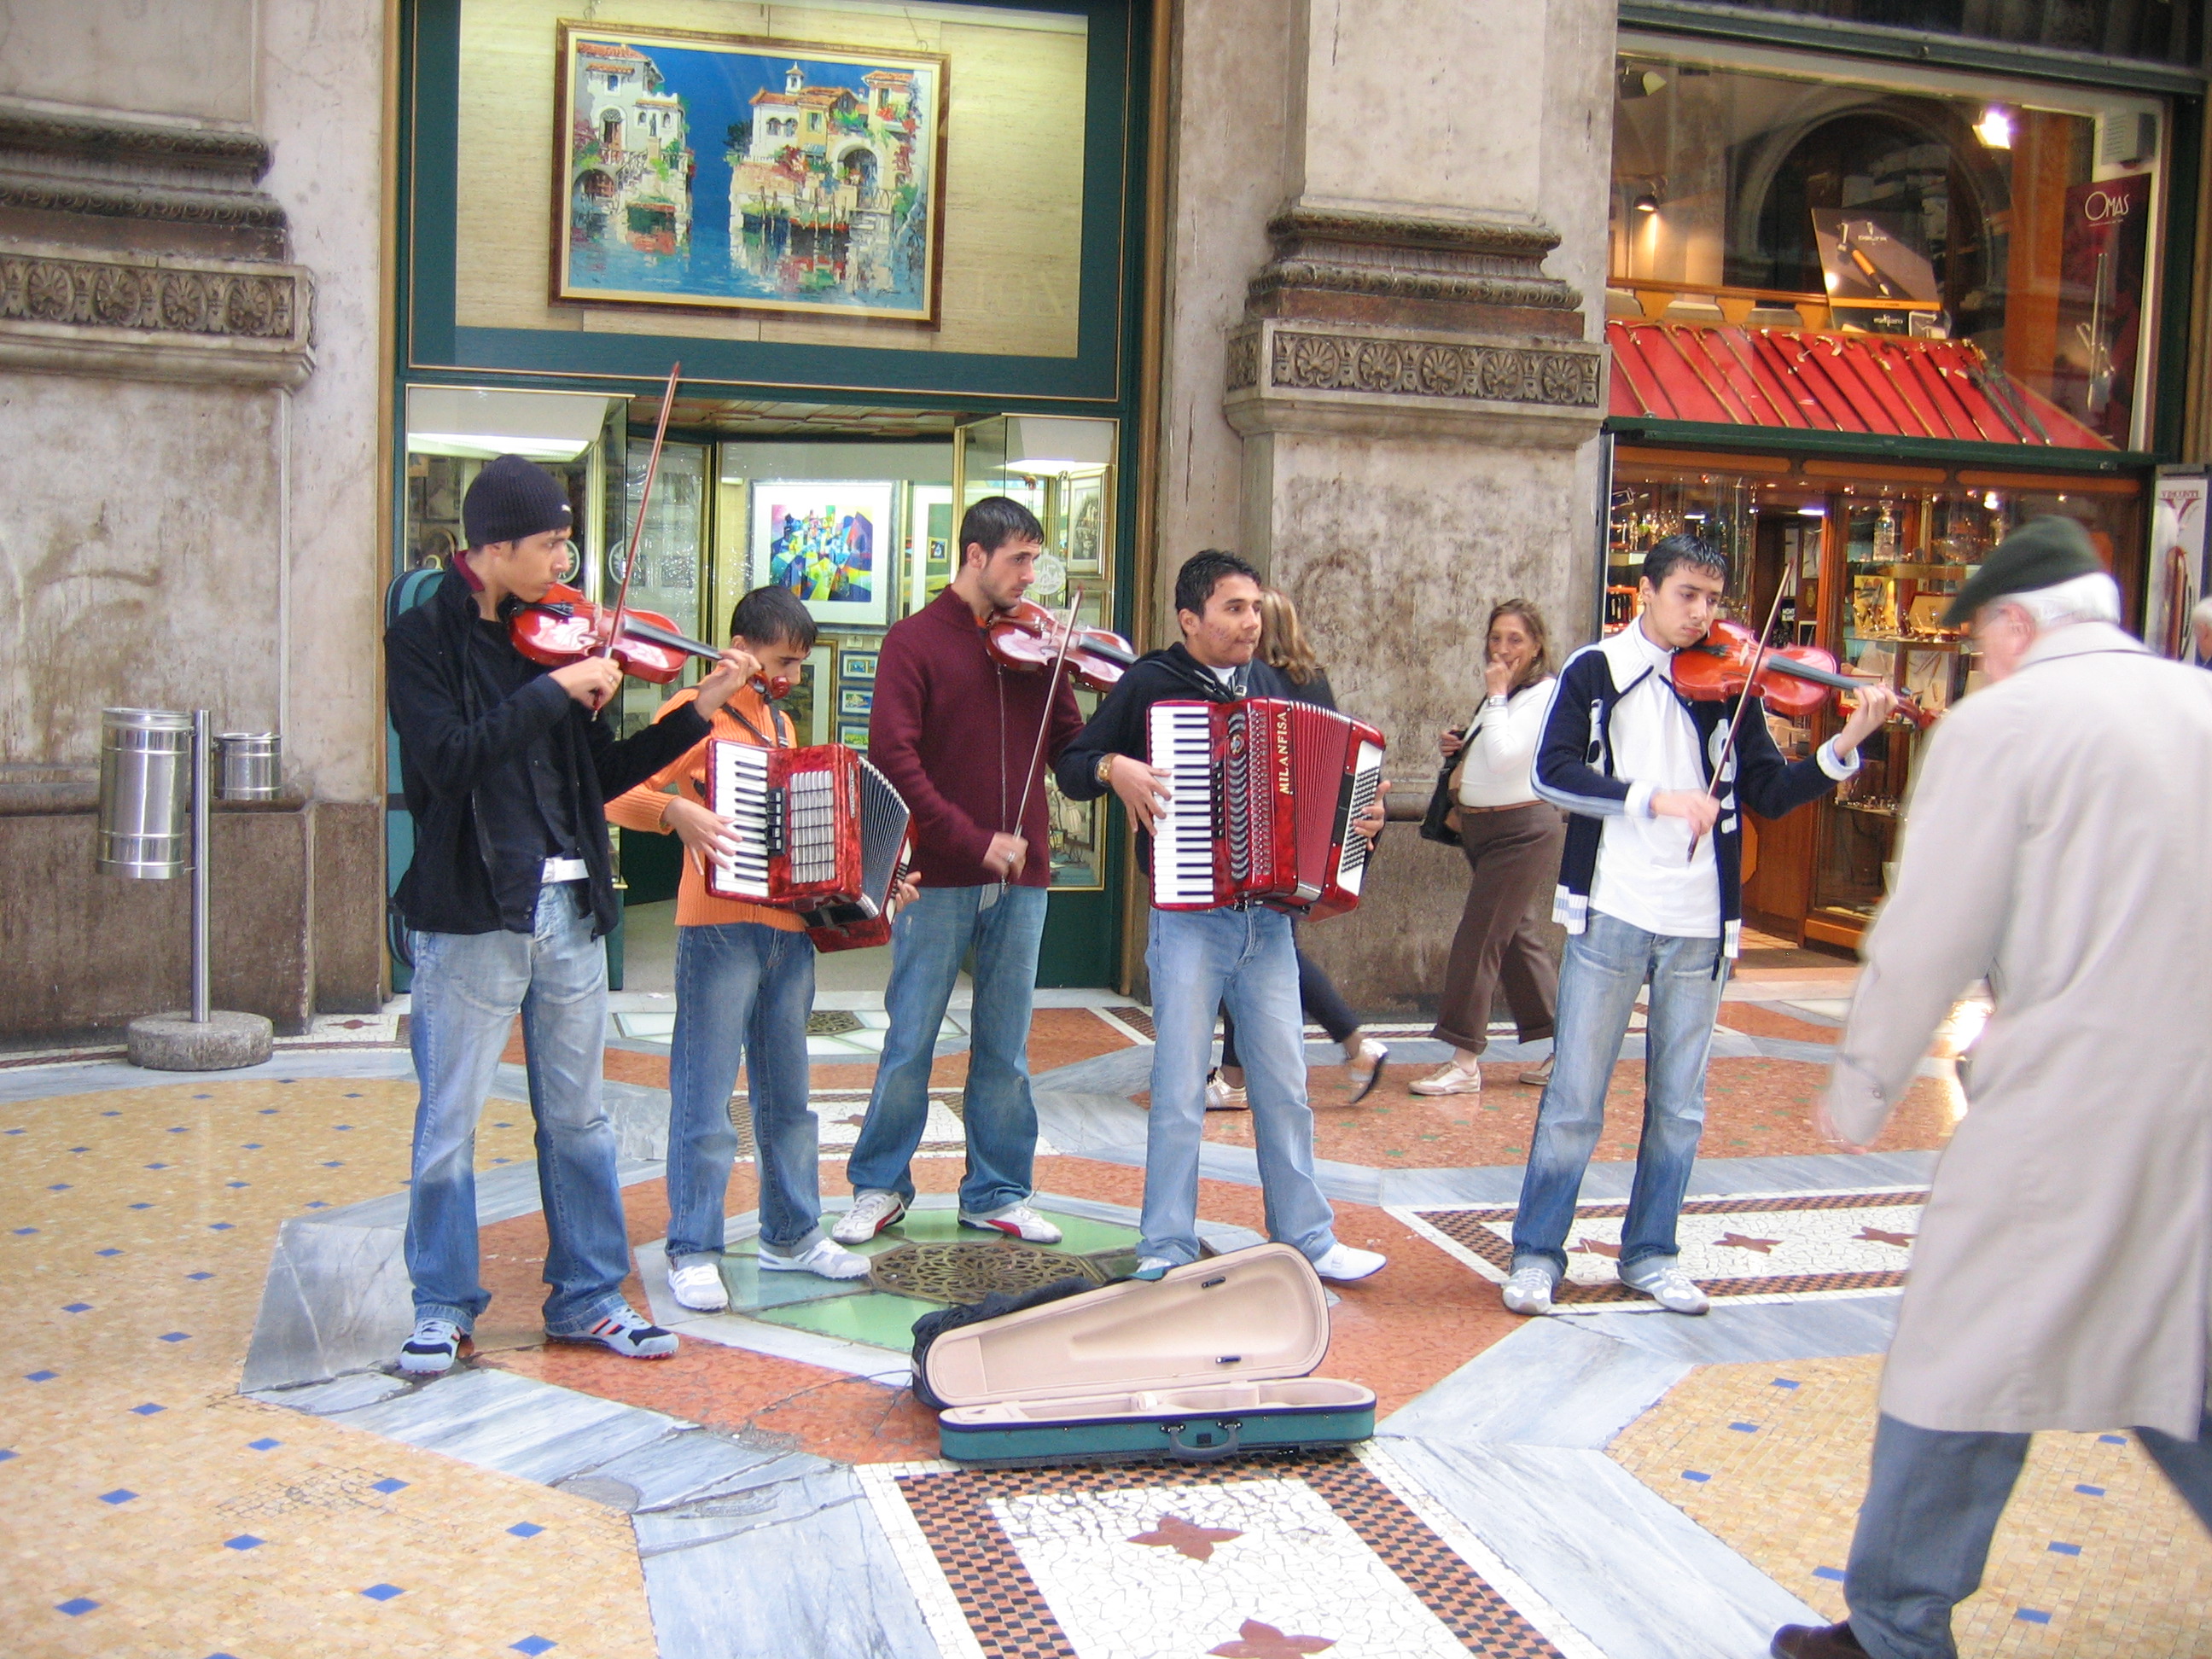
pixel 1754 189
pixel 2168 30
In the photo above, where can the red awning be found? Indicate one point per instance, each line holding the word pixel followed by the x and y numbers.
pixel 1887 384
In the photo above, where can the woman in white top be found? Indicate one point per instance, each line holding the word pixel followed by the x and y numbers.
pixel 1512 843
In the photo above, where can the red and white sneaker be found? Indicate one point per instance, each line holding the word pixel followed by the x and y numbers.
pixel 870 1213
pixel 1015 1221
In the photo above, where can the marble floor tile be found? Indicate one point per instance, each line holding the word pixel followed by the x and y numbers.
pixel 511 1424
pixel 1552 1383
pixel 1760 1331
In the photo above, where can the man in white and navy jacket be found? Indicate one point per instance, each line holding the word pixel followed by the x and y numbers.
pixel 1632 762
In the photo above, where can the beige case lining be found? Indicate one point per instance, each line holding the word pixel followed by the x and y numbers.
pixel 1251 1316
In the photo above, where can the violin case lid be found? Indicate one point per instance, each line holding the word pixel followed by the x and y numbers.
pixel 1249 1316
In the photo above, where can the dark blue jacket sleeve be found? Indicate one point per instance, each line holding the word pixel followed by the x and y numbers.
pixel 1563 773
pixel 1764 782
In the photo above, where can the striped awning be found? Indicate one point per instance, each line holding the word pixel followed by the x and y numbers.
pixel 1886 384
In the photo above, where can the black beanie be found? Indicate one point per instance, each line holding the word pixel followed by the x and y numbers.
pixel 512 498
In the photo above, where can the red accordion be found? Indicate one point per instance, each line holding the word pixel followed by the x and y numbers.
pixel 820 832
pixel 1266 791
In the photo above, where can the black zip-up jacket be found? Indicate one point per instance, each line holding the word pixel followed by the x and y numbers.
pixel 1119 726
pixel 478 839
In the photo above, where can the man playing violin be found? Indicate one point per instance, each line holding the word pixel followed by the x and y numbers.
pixel 1649 888
pixel 957 733
pixel 744 984
pixel 507 765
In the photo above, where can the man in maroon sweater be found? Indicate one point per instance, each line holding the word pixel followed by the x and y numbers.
pixel 957 734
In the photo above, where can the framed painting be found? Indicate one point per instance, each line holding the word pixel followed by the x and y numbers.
pixel 1084 504
pixel 736 173
pixel 828 543
pixel 858 666
pixel 855 703
pixel 853 737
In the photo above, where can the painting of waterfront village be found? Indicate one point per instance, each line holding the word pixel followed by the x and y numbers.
pixel 720 171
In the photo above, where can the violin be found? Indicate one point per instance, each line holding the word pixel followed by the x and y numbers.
pixel 565 627
pixel 1029 637
pixel 1791 679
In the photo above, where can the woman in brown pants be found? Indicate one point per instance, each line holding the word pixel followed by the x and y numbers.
pixel 1512 843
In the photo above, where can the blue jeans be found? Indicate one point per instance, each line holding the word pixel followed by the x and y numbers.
pixel 1606 964
pixel 1932 1504
pixel 468 987
pixel 929 939
pixel 743 992
pixel 1244 960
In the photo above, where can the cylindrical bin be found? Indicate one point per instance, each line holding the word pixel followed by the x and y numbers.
pixel 249 765
pixel 145 793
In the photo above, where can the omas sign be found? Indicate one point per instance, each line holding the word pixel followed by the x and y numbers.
pixel 2109 203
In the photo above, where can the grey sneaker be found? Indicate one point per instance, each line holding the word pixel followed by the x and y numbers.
pixel 626 1331
pixel 1529 1290
pixel 1152 1268
pixel 1665 1283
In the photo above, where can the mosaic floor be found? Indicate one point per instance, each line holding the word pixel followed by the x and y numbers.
pixel 1613 1483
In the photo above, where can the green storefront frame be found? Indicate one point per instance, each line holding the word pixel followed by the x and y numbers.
pixel 1081 942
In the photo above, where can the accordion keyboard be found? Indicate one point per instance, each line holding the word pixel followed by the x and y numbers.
pixel 746 791
pixel 1180 740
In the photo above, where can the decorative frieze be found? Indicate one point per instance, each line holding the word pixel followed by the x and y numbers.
pixel 154 317
pixel 1292 375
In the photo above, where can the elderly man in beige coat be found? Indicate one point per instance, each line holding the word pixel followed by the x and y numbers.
pixel 2059 844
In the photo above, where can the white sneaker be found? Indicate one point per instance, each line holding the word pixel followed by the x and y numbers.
pixel 1529 1290
pixel 1659 1278
pixel 1453 1079
pixel 824 1259
pixel 870 1213
pixel 432 1350
pixel 1343 1264
pixel 1151 1267
pixel 1015 1221
pixel 1221 1098
pixel 699 1287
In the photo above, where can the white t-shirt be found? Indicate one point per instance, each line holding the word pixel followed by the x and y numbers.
pixel 1496 772
pixel 1646 875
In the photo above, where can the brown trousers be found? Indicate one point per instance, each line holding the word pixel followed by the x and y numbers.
pixel 1514 854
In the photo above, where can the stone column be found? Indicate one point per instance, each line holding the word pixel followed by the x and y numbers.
pixel 1418 381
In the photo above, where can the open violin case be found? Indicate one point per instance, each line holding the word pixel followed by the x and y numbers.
pixel 1213 1360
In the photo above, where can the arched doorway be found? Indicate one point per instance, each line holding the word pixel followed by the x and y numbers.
pixel 858 167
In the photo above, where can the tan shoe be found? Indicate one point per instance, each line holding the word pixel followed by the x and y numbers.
pixel 1539 1075
pixel 1363 1069
pixel 1453 1079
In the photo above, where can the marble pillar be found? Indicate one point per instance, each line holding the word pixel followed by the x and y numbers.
pixel 1415 372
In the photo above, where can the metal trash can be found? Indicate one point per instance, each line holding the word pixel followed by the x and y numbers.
pixel 145 793
pixel 249 765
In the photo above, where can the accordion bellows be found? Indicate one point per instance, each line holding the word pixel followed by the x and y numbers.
pixel 1265 791
pixel 820 832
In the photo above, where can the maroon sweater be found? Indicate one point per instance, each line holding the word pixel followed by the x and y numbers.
pixel 954 732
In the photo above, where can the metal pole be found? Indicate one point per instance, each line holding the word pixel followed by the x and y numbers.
pixel 199 866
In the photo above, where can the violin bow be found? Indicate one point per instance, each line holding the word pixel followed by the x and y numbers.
pixel 637 525
pixel 1045 722
pixel 1743 703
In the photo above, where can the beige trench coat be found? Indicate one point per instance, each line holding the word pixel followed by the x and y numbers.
pixel 2060 842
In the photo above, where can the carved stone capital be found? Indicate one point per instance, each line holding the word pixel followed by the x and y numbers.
pixel 1293 375
pixel 154 317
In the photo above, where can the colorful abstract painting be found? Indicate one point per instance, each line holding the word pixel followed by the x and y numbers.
pixel 828 543
pixel 740 173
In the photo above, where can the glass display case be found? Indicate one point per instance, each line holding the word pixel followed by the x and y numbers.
pixel 1062 470
pixel 1869 556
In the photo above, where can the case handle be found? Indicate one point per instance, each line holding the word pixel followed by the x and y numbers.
pixel 1189 1454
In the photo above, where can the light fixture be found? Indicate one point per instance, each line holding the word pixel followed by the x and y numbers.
pixel 1646 202
pixel 1811 511
pixel 1637 82
pixel 1058 443
pixel 539 425
pixel 1995 128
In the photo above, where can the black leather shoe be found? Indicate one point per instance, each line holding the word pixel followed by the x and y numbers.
pixel 1805 1642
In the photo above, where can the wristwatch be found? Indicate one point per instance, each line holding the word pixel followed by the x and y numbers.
pixel 1104 771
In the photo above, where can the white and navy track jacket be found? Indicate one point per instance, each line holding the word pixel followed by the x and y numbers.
pixel 1574 772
